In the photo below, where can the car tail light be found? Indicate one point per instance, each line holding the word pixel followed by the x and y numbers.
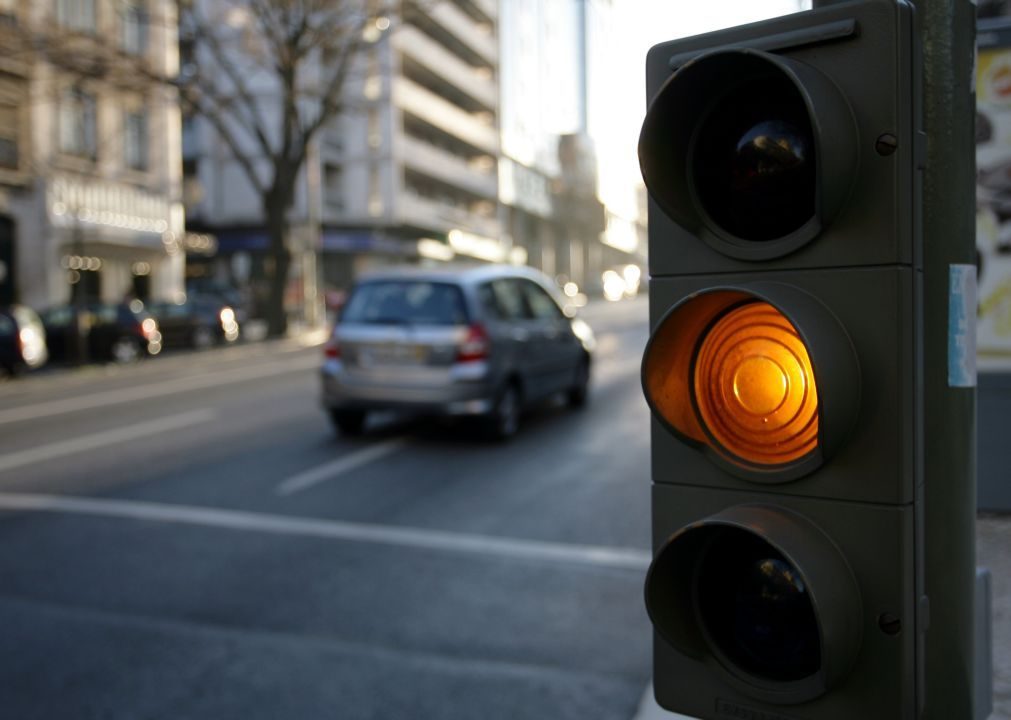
pixel 332 349
pixel 475 345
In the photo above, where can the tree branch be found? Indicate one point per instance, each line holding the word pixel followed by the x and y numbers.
pixel 214 115
pixel 253 122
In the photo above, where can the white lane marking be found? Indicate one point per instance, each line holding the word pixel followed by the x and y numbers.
pixel 101 439
pixel 341 465
pixel 415 538
pixel 158 389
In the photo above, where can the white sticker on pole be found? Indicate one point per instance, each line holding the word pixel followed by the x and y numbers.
pixel 962 326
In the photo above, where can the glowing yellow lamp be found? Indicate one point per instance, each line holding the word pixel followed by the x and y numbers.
pixel 754 387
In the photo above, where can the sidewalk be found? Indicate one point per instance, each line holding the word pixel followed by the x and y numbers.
pixel 256 331
pixel 993 551
pixel 649 710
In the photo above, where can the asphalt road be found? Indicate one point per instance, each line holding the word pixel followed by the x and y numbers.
pixel 187 538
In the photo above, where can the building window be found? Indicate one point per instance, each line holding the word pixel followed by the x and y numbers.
pixel 375 198
pixel 375 135
pixel 334 134
pixel 191 138
pixel 133 27
pixel 10 128
pixel 373 86
pixel 78 130
pixel 333 187
pixel 77 14
pixel 135 139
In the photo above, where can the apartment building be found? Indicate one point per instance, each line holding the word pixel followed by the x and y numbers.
pixel 90 172
pixel 408 172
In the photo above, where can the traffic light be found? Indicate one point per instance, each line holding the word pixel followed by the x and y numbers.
pixel 784 368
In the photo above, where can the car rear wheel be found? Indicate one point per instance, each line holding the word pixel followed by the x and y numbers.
pixel 348 422
pixel 504 420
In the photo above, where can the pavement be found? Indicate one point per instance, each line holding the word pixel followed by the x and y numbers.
pixel 993 552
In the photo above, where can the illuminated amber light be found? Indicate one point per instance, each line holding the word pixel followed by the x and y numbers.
pixel 754 386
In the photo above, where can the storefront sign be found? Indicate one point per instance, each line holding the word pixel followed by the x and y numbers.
pixel 107 204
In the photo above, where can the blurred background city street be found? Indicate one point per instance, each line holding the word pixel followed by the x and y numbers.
pixel 190 192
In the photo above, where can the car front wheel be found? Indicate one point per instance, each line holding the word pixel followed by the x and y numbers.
pixel 203 337
pixel 125 350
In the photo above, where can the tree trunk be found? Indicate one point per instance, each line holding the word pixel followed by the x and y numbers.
pixel 277 233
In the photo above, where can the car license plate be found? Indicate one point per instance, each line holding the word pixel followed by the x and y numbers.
pixel 394 354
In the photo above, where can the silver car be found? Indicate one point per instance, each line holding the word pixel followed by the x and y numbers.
pixel 484 341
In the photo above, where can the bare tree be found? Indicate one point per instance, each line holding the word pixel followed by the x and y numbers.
pixel 267 75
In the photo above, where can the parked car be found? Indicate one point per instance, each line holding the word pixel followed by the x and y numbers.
pixel 234 298
pixel 121 332
pixel 197 322
pixel 484 341
pixel 22 340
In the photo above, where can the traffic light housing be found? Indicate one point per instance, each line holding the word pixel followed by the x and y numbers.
pixel 784 367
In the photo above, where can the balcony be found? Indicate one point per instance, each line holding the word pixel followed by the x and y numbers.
pixel 446 116
pixel 448 168
pixel 477 39
pixel 488 7
pixel 447 66
pixel 439 217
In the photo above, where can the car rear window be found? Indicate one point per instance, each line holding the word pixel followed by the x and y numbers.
pixel 411 302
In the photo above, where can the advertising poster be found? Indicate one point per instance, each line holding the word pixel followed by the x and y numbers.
pixel 993 189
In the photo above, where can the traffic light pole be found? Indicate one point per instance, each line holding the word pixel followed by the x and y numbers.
pixel 947 31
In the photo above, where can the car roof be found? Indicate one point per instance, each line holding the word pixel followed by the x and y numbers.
pixel 453 273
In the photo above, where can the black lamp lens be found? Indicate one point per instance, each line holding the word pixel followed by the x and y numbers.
pixel 753 161
pixel 757 609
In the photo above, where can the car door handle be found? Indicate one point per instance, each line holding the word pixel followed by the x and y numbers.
pixel 520 335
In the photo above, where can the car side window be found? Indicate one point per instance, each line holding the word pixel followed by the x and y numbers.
pixel 489 302
pixel 510 300
pixel 541 304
